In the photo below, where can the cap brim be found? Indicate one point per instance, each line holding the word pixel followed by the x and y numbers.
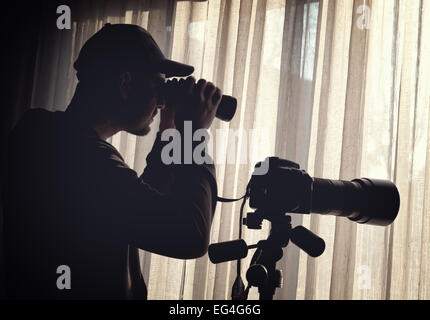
pixel 175 69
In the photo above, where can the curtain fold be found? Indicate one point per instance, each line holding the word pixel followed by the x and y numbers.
pixel 339 86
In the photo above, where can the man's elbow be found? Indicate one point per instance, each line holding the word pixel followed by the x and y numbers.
pixel 194 247
pixel 196 237
pixel 200 250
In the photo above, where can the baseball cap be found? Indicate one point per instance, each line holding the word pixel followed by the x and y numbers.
pixel 124 47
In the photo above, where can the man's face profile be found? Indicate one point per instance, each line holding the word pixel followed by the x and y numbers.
pixel 140 97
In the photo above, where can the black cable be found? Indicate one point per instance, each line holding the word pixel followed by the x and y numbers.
pixel 241 216
pixel 220 199
pixel 244 197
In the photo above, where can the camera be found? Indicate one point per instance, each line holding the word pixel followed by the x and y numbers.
pixel 286 188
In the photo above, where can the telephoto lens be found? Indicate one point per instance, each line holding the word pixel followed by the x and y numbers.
pixel 368 201
pixel 226 109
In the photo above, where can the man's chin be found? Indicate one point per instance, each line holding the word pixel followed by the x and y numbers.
pixel 141 132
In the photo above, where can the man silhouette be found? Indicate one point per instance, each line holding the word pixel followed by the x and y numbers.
pixel 72 202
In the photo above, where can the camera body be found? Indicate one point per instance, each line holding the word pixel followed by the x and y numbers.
pixel 284 188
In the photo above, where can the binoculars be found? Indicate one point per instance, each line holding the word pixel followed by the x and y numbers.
pixel 226 109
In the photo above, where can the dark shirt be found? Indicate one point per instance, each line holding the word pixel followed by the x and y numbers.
pixel 71 200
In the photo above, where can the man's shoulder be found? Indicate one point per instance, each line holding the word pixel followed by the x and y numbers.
pixel 37 114
pixel 54 129
pixel 34 118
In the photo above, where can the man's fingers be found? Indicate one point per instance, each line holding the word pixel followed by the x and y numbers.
pixel 216 97
pixel 200 87
pixel 209 90
pixel 189 84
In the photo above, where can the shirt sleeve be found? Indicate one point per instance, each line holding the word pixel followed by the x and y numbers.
pixel 157 174
pixel 170 213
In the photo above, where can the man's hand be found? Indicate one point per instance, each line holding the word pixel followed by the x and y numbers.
pixel 191 101
pixel 167 119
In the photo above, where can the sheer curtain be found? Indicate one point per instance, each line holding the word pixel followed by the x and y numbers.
pixel 341 87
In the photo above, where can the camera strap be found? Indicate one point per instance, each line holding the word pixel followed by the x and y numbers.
pixel 220 199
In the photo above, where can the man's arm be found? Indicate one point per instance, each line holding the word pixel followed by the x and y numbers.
pixel 175 224
pixel 157 174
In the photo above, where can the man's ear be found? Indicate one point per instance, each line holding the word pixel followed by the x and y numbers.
pixel 125 84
